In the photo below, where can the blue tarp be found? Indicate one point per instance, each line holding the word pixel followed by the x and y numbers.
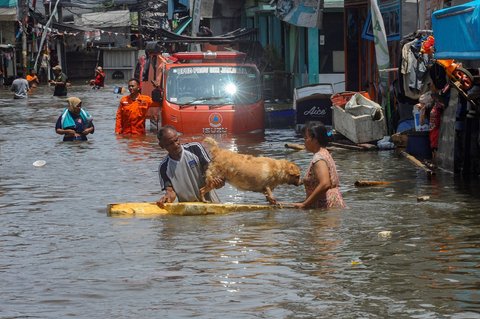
pixel 302 13
pixel 175 6
pixel 457 32
pixel 8 3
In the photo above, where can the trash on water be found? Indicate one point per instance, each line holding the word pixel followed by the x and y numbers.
pixel 118 90
pixel 385 234
pixel 385 143
pixel 423 198
pixel 39 163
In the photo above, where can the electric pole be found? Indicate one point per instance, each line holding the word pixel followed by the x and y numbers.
pixel 23 18
pixel 196 15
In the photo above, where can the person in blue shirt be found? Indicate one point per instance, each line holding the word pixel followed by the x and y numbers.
pixel 74 123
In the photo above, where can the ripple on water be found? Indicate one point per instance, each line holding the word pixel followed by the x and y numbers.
pixel 62 256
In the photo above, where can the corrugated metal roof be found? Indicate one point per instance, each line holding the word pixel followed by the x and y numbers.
pixel 70 27
pixel 8 14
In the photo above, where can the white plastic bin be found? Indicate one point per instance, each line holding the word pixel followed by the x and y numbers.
pixel 360 128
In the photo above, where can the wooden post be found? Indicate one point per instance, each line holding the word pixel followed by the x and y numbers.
pixel 196 15
pixel 417 163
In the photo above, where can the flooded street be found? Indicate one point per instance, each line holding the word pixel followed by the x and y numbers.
pixel 62 256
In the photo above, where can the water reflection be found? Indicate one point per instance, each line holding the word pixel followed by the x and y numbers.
pixel 62 256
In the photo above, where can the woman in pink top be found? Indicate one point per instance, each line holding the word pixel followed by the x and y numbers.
pixel 321 179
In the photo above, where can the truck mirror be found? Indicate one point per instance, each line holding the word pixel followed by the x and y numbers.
pixel 157 95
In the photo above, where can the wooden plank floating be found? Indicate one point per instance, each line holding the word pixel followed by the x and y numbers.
pixel 356 147
pixel 371 183
pixel 185 209
pixel 417 163
pixel 293 146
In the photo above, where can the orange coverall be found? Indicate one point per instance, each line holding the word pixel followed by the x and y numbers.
pixel 131 115
pixel 32 78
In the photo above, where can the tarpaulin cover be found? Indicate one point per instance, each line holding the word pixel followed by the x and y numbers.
pixel 8 3
pixel 457 31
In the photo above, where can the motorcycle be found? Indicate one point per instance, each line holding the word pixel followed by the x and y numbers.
pixel 460 77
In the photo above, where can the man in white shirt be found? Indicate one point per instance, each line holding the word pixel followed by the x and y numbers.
pixel 182 172
pixel 20 87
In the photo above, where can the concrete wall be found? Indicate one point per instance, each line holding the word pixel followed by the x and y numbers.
pixel 7 32
pixel 118 62
pixel 81 64
pixel 226 16
pixel 446 142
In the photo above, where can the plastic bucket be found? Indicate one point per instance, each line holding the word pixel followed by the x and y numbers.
pixel 418 145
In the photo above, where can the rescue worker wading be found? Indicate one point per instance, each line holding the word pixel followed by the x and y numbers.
pixel 132 111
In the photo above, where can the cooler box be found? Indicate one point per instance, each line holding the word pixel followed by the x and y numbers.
pixel 358 128
pixel 361 120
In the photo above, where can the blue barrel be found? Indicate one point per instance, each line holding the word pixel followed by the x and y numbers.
pixel 418 145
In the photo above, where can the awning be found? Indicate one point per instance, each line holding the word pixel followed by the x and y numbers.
pixel 8 14
pixel 69 27
pixel 8 3
pixel 7 47
pixel 300 13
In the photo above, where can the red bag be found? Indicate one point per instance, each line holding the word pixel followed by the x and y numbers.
pixel 340 99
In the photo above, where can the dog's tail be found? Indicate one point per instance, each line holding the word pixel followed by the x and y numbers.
pixel 210 142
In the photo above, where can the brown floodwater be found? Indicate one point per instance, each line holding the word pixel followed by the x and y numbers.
pixel 62 256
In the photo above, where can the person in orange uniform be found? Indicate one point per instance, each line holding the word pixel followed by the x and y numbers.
pixel 32 79
pixel 132 111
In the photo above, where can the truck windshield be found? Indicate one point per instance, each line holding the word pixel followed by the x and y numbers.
pixel 213 85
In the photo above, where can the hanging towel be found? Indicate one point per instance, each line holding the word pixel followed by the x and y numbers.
pixel 68 120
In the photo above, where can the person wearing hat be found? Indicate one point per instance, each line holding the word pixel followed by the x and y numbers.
pixel 60 81
pixel 99 81
pixel 74 123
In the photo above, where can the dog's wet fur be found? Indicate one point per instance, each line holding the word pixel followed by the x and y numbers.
pixel 247 172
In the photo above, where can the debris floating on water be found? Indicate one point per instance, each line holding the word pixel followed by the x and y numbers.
pixel 385 234
pixel 39 163
pixel 370 183
pixel 423 198
pixel 297 147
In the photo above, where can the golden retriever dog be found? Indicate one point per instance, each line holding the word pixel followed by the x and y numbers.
pixel 247 172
